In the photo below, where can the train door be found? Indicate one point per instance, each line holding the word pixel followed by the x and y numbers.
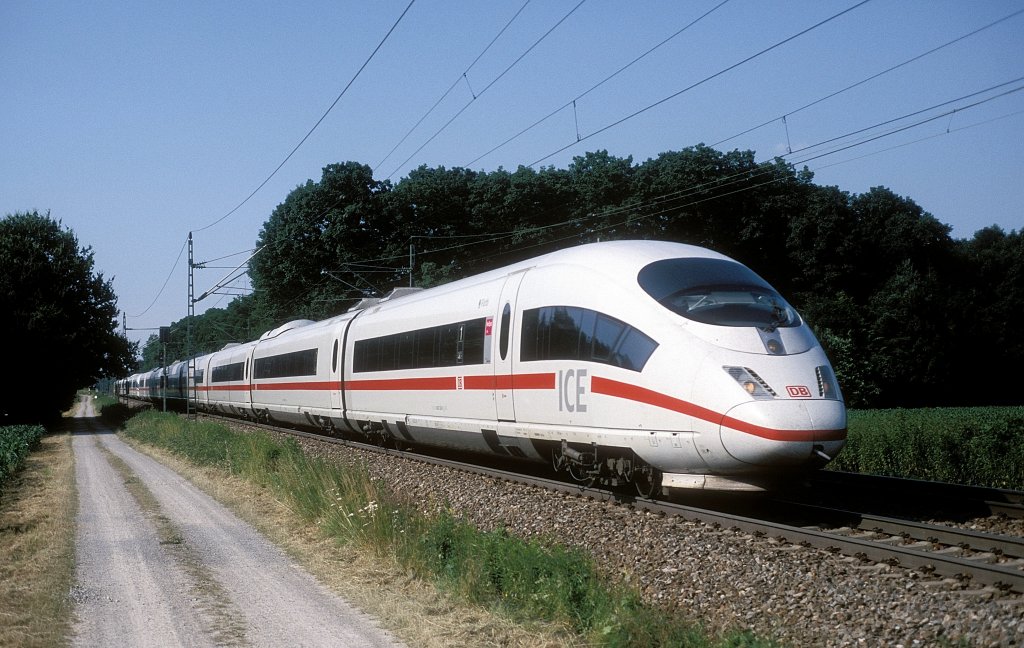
pixel 336 372
pixel 504 398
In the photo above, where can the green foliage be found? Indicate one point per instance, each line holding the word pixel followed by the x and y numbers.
pixel 16 441
pixel 60 313
pixel 311 235
pixel 525 580
pixel 981 446
pixel 211 331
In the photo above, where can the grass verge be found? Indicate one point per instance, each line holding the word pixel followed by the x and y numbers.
pixel 37 547
pixel 549 595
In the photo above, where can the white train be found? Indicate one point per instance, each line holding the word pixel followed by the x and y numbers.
pixel 662 364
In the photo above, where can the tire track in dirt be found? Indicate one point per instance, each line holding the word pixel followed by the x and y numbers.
pixel 182 570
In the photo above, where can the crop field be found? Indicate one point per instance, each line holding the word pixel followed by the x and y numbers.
pixel 15 443
pixel 981 446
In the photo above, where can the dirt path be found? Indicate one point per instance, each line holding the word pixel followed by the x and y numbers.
pixel 161 564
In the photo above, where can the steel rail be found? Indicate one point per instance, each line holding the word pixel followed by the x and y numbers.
pixel 951 536
pixel 995 500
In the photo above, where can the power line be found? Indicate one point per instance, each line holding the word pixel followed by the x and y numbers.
pixel 458 79
pixel 902 128
pixel 163 287
pixel 872 77
pixel 318 122
pixel 922 139
pixel 608 78
pixel 744 177
pixel 488 87
pixel 701 82
pixel 290 154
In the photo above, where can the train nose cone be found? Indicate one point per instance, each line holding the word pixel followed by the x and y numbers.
pixel 784 432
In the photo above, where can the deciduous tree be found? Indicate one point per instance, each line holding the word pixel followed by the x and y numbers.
pixel 59 319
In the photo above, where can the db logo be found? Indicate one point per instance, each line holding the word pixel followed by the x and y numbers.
pixel 798 391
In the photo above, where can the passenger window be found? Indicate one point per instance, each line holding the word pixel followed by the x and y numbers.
pixel 473 340
pixel 388 345
pixel 528 342
pixel 634 350
pixel 565 333
pixel 425 347
pixel 587 339
pixel 572 333
pixel 506 320
pixel 448 346
pixel 406 350
pixel 607 334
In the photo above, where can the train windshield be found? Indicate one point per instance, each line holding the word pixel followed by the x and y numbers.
pixel 716 291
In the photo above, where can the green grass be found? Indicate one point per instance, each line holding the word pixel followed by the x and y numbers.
pixel 981 446
pixel 104 400
pixel 524 580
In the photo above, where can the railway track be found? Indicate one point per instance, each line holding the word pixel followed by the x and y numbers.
pixel 934 499
pixel 974 559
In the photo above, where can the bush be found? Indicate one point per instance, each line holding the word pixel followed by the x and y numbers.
pixel 979 446
pixel 16 442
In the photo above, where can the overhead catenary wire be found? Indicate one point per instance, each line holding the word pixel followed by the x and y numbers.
pixel 701 82
pixel 455 83
pixel 318 122
pixel 489 86
pixel 597 85
pixel 907 127
pixel 873 76
pixel 166 281
pixel 948 131
pixel 660 201
pixel 287 157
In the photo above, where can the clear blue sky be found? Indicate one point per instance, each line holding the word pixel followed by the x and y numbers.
pixel 136 122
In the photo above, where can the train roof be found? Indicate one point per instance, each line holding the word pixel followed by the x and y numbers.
pixel 615 257
pixel 610 258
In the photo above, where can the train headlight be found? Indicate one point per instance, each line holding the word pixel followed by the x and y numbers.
pixel 828 386
pixel 751 383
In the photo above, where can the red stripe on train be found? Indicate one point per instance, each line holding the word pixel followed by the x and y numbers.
pixel 627 391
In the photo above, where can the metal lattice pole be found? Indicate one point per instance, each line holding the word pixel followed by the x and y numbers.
pixel 191 397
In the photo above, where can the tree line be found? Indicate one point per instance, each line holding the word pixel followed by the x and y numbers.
pixel 908 315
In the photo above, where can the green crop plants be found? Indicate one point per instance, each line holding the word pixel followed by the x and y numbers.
pixel 981 446
pixel 524 580
pixel 16 441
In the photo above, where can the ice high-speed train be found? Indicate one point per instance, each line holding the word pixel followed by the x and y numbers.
pixel 662 364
